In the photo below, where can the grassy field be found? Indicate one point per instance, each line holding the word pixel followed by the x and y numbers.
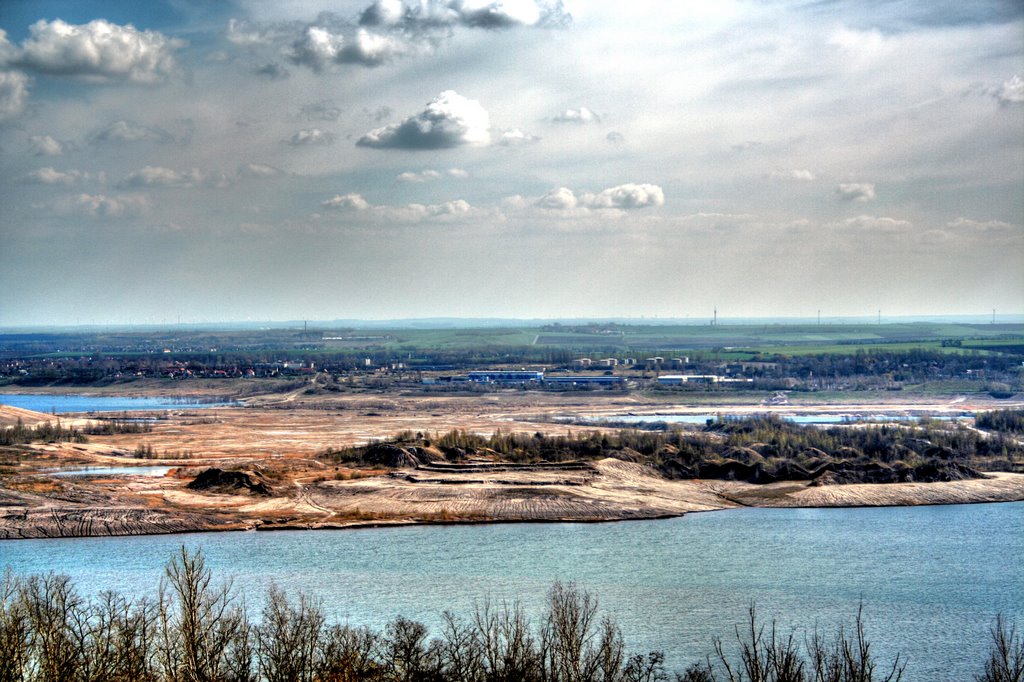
pixel 740 342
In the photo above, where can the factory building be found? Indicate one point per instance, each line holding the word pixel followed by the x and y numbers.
pixel 603 380
pixel 505 377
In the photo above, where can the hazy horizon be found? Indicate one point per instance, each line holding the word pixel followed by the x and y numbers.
pixel 525 159
pixel 481 322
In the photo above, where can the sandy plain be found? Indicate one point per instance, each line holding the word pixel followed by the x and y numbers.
pixel 276 439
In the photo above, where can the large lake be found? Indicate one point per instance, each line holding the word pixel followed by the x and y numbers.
pixel 60 404
pixel 931 579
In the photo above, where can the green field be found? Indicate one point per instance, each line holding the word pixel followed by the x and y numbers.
pixel 740 342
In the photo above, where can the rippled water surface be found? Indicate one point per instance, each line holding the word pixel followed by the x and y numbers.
pixel 93 403
pixel 154 471
pixel 931 578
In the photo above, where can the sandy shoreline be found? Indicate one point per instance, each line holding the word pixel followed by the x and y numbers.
pixel 610 491
pixel 282 443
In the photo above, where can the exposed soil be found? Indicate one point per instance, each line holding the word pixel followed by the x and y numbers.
pixel 270 478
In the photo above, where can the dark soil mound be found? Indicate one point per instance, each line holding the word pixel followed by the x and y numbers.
pixel 219 481
pixel 731 470
pixel 630 455
pixel 932 471
pixel 392 456
pixel 743 455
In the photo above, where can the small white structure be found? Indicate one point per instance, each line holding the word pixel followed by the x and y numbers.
pixel 680 379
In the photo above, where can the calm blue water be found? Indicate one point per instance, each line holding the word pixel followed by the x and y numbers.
pixel 91 403
pixel 155 471
pixel 931 578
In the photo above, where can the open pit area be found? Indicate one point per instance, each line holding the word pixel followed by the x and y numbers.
pixel 273 475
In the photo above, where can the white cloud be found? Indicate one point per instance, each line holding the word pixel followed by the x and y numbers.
pixel 13 93
pixel 1011 91
pixel 99 51
pixel 127 131
pixel 429 174
pixel 102 206
pixel 457 207
pixel 629 195
pixel 44 145
pixel 348 202
pixel 791 174
pixel 311 136
pixel 496 14
pixel 445 211
pixel 7 50
pixel 320 47
pixel 259 170
pixel 875 223
pixel 383 13
pixel 579 116
pixel 317 48
pixel 158 176
pixel 560 198
pixel 373 49
pixel 272 71
pixel 450 120
pixel 52 176
pixel 966 224
pixel 324 110
pixel 422 176
pixel 516 137
pixel 386 30
pixel 856 191
pixel 502 13
pixel 246 33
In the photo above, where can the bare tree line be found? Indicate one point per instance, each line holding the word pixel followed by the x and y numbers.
pixel 198 631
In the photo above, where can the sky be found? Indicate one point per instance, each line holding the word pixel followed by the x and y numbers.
pixel 295 159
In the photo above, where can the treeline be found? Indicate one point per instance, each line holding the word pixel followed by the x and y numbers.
pixel 55 431
pixel 905 365
pixel 111 427
pixel 1011 420
pixel 876 368
pixel 46 432
pixel 198 631
pixel 758 449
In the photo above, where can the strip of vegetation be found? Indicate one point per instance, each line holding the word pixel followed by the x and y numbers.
pixel 112 427
pixel 55 432
pixel 46 432
pixel 196 630
pixel 1011 420
pixel 760 449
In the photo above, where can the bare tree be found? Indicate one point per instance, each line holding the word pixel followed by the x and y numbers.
pixel 509 650
pixel 461 650
pixel 204 635
pixel 404 650
pixel 288 639
pixel 350 655
pixel 15 631
pixel 1006 657
pixel 848 658
pixel 50 602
